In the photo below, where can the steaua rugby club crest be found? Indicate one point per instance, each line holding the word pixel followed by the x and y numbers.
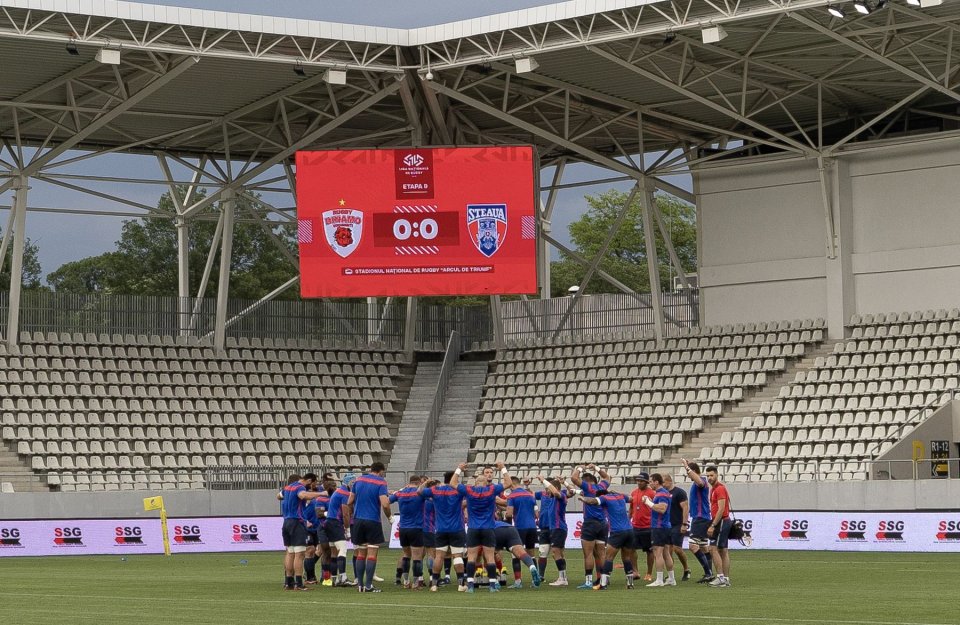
pixel 343 229
pixel 487 225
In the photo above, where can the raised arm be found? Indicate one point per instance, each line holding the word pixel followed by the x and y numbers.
pixel 695 477
pixel 455 480
pixel 547 486
pixel 575 476
pixel 508 482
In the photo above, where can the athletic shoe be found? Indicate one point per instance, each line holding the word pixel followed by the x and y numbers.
pixel 444 582
pixel 361 589
pixel 686 576
pixel 516 585
pixel 407 585
pixel 669 582
pixel 535 574
pixel 718 582
pixel 494 586
pixel 377 578
pixel 434 588
pixel 648 578
pixel 600 587
pixel 327 582
pixel 706 579
pixel 656 584
pixel 630 584
pixel 469 589
pixel 559 582
pixel 372 589
pixel 585 586
pixel 311 582
pixel 461 588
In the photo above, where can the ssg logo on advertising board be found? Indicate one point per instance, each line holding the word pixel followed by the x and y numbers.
pixel 852 531
pixel 126 535
pixel 187 535
pixel 67 537
pixel 245 533
pixel 795 529
pixel 890 530
pixel 10 538
pixel 948 531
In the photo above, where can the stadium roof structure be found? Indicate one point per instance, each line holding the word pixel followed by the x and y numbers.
pixel 232 97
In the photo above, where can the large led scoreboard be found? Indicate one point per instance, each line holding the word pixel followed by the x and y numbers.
pixel 417 221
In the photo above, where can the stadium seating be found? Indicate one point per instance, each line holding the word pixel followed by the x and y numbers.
pixel 121 412
pixel 853 405
pixel 622 400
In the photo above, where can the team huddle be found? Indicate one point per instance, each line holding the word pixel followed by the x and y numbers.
pixel 463 528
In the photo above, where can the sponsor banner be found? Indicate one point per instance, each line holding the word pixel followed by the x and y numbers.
pixel 417 221
pixel 801 531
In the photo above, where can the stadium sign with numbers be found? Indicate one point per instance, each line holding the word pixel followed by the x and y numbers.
pixel 417 221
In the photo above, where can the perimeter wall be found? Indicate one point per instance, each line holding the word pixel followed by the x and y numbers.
pixel 764 236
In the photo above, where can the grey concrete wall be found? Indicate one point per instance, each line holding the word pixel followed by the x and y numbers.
pixel 942 425
pixel 764 248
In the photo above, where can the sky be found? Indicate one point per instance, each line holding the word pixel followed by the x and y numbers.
pixel 63 238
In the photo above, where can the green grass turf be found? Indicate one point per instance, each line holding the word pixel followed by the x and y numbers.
pixel 784 588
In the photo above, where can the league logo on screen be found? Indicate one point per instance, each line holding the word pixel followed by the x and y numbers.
pixel 487 225
pixel 343 228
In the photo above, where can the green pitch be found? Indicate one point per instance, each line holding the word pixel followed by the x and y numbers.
pixel 783 588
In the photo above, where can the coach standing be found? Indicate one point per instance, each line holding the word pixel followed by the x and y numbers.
pixel 719 530
pixel 640 519
pixel 679 522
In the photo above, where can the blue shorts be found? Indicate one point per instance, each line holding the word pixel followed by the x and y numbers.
pixel 294 533
pixel 366 532
pixel 676 537
pixel 721 537
pixel 594 530
pixel 660 536
pixel 556 537
pixel 621 540
pixel 641 539
pixel 334 531
pixel 481 538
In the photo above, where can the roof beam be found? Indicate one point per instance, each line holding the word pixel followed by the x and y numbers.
pixel 796 145
pixel 876 56
pixel 302 143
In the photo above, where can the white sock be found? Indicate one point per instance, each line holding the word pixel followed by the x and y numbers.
pixel 589 579
pixel 563 575
pixel 660 576
pixel 670 576
pixel 604 579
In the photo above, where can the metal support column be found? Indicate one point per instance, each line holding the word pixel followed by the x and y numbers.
pixel 183 275
pixel 223 277
pixel 410 327
pixel 19 209
pixel 546 228
pixel 497 316
pixel 653 265
pixel 372 315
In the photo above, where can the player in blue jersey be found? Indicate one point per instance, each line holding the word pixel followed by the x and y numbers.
pixel 553 527
pixel 429 531
pixel 323 543
pixel 311 517
pixel 660 534
pixel 338 519
pixel 451 540
pixel 508 539
pixel 593 533
pixel 411 533
pixel 294 496
pixel 521 507
pixel 367 499
pixel 700 519
pixel 614 506
pixel 481 501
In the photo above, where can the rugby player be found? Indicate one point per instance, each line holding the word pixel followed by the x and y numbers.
pixel 614 505
pixel 367 499
pixel 660 531
pixel 338 517
pixel 679 513
pixel 640 519
pixel 719 530
pixel 451 539
pixel 481 505
pixel 700 514
pixel 411 533
pixel 295 494
pixel 509 539
pixel 553 527
pixel 593 533
pixel 521 504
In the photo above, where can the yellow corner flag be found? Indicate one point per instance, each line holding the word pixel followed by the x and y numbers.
pixel 156 503
pixel 153 503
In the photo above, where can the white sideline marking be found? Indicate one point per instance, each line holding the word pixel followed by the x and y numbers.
pixel 371 605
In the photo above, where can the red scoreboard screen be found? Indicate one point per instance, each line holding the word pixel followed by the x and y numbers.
pixel 417 221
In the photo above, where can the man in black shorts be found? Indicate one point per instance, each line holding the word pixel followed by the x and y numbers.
pixel 481 505
pixel 640 520
pixel 553 527
pixel 699 502
pixel 679 513
pixel 367 499
pixel 593 533
pixel 451 539
pixel 508 539
pixel 411 533
pixel 295 494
